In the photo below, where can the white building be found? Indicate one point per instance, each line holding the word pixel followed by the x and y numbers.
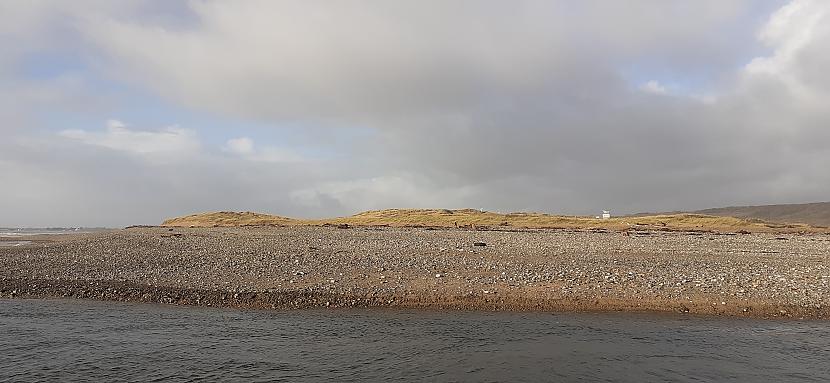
pixel 606 214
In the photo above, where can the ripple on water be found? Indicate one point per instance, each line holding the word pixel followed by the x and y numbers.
pixel 14 243
pixel 96 341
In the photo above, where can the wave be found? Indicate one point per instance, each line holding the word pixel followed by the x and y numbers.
pixel 18 232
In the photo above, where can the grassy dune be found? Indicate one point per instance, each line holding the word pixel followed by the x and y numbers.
pixel 228 219
pixel 474 218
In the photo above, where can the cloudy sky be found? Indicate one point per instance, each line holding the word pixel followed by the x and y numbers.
pixel 126 112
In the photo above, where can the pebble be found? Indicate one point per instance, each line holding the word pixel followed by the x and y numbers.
pixel 573 264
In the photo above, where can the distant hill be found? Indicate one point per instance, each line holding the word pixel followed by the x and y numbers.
pixel 475 218
pixel 816 214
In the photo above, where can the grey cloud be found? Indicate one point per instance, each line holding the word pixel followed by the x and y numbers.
pixel 500 105
pixel 365 60
pixel 61 183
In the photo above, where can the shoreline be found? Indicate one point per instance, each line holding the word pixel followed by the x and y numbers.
pixel 748 275
pixel 114 291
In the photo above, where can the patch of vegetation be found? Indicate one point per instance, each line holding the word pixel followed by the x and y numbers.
pixel 470 218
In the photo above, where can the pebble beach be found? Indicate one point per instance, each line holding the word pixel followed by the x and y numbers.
pixel 732 274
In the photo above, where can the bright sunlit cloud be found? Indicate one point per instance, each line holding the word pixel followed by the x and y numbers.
pixel 171 140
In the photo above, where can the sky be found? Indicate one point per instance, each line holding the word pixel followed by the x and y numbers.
pixel 115 113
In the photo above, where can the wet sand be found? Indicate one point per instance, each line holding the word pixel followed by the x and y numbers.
pixel 757 275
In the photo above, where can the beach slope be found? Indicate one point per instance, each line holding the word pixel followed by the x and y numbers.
pixel 758 274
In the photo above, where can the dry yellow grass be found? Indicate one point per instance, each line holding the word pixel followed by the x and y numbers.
pixel 474 218
pixel 228 218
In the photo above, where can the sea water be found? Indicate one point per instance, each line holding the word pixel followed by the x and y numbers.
pixel 67 340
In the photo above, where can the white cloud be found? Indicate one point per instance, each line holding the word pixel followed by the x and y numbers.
pixel 244 148
pixel 241 145
pixel 653 87
pixel 171 141
pixel 799 34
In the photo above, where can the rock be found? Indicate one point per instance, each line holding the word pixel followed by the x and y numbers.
pixel 479 244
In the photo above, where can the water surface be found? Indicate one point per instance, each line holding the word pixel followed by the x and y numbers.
pixel 56 340
pixel 7 243
pixel 24 231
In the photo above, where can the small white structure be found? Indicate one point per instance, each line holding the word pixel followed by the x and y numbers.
pixel 606 214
